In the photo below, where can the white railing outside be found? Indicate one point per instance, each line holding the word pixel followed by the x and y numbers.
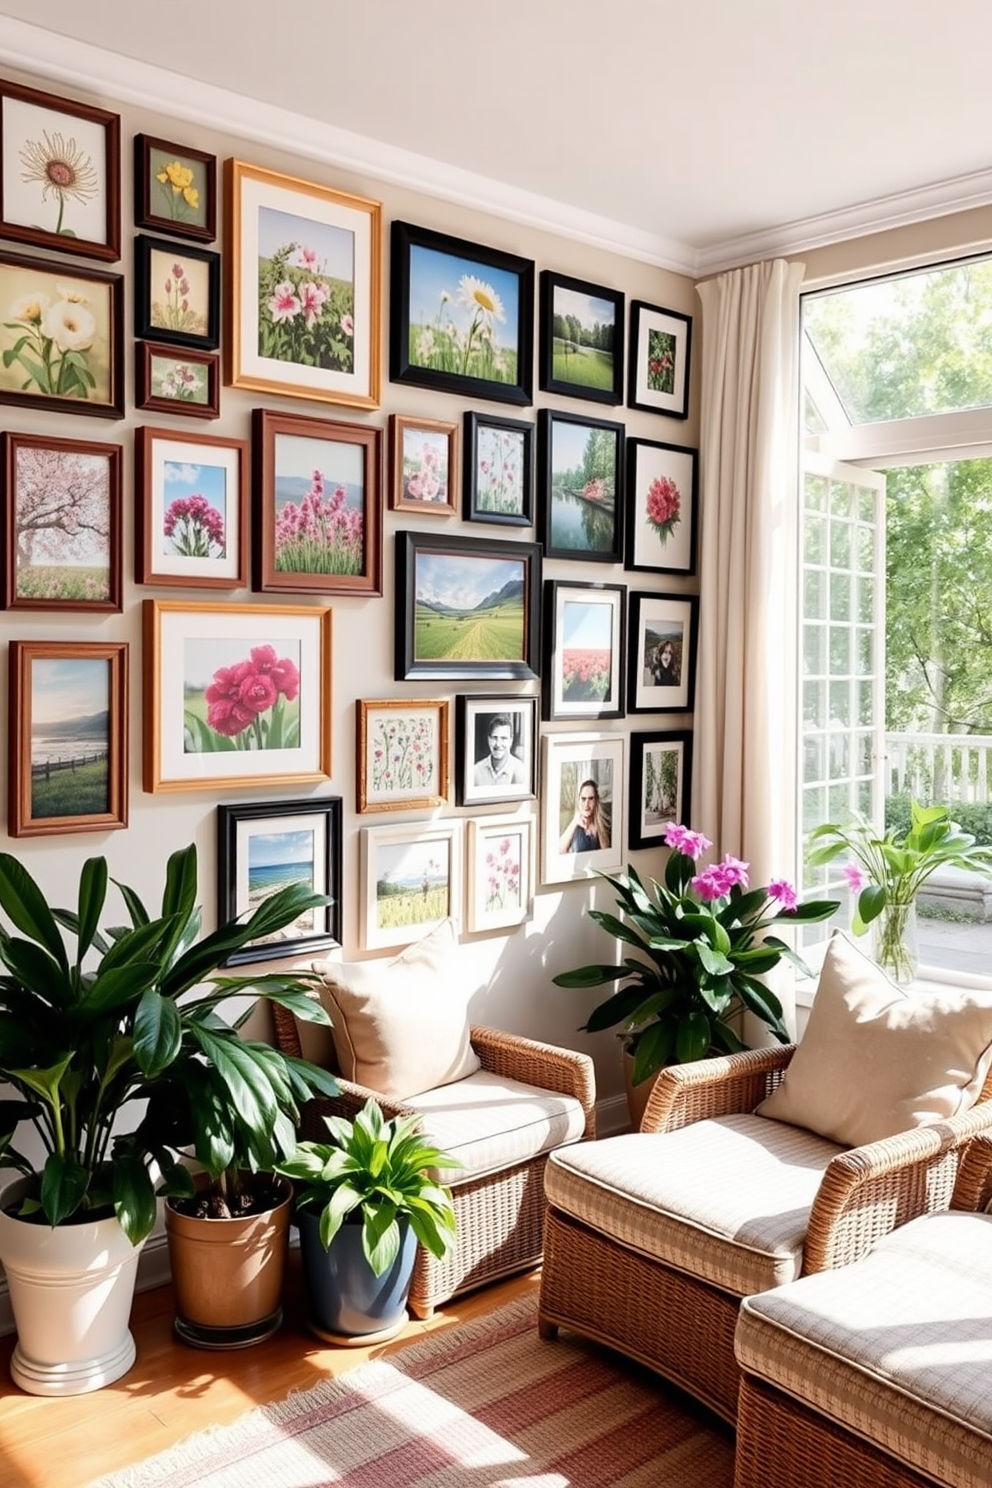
pixel 939 767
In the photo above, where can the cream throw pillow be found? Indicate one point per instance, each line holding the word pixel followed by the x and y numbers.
pixel 876 1060
pixel 401 1027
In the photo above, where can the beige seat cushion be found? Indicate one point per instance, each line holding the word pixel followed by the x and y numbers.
pixel 876 1060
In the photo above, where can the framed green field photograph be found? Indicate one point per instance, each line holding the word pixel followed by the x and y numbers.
pixel 581 339
pixel 410 881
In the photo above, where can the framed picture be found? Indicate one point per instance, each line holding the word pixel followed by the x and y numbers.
pixel 499 855
pixel 658 375
pixel 171 381
pixel 581 461
pixel 461 316
pixel 410 881
pixel 265 846
pixel 317 505
pixel 499 470
pixel 584 632
pixel 423 466
pixel 68 737
pixel 175 189
pixel 60 173
pixel 662 484
pixel 176 293
pixel 581 339
pixel 662 653
pixel 466 608
pixel 305 288
pixel 191 499
pixel 61 337
pixel 61 524
pixel 402 754
pixel 660 785
pixel 582 806
pixel 235 694
pixel 495 749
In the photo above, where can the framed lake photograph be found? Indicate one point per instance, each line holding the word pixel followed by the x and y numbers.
pixel 461 316
pixel 662 485
pixel 235 694
pixel 582 803
pixel 499 855
pixel 581 339
pixel 660 785
pixel 662 653
pixel 402 754
pixel 410 881
pixel 305 288
pixel 317 505
pixel 581 463
pixel 499 470
pixel 423 466
pixel 167 380
pixel 191 495
pixel 60 173
pixel 68 769
pixel 584 631
pixel 466 608
pixel 175 189
pixel 264 847
pixel 495 749
pixel 61 524
pixel 176 293
pixel 658 375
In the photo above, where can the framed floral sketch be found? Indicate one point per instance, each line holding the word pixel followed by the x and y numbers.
pixel 68 715
pixel 235 694
pixel 658 374
pixel 581 464
pixel 500 876
pixel 584 631
pixel 660 785
pixel 192 501
pixel 170 380
pixel 662 485
pixel 423 465
pixel 582 802
pixel 176 293
pixel 304 289
pixel 60 173
pixel 499 470
pixel 662 653
pixel 402 754
pixel 175 189
pixel 410 881
pixel 267 845
pixel 61 524
pixel 495 749
pixel 317 505
pixel 581 339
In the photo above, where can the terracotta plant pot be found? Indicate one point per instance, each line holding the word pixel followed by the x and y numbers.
pixel 637 1095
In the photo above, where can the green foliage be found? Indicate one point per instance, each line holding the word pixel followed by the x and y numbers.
pixel 974 817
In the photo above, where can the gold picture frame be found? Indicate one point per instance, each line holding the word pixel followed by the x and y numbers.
pixel 402 754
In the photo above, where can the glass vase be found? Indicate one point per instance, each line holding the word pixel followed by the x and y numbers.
pixel 895 948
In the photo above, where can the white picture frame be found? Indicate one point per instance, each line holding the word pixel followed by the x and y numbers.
pixel 499 855
pixel 569 761
pixel 410 880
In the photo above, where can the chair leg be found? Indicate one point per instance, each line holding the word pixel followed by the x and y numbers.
pixel 546 1329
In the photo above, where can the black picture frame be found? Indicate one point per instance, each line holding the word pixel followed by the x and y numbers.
pixel 441 565
pixel 662 505
pixel 654 621
pixel 657 334
pixel 428 269
pixel 579 517
pixel 568 329
pixel 580 676
pixel 499 467
pixel 474 715
pixel 185 171
pixel 155 263
pixel 656 800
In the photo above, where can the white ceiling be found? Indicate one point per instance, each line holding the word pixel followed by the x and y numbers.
pixel 712 130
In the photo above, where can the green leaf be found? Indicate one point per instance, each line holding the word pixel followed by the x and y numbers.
pixel 24 903
pixel 158 1032
pixel 134 1196
pixel 92 897
pixel 713 963
pixel 118 987
pixel 693 1038
pixel 64 1182
pixel 654 1049
pixel 36 969
pixel 871 902
pixel 589 976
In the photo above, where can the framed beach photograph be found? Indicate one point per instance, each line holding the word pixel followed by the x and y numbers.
pixel 61 337
pixel 582 805
pixel 60 173
pixel 662 485
pixel 191 499
pixel 264 847
pixel 235 694
pixel 423 466
pixel 500 872
pixel 662 653
pixel 410 881
pixel 584 632
pixel 317 505
pixel 61 524
pixel 658 374
pixel 495 749
pixel 581 339
pixel 499 470
pixel 175 189
pixel 461 316
pixel 304 289
pixel 167 380
pixel 660 785
pixel 402 754
pixel 582 465
pixel 176 293
pixel 466 608
pixel 68 767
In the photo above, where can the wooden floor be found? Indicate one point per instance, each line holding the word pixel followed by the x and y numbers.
pixel 173 1390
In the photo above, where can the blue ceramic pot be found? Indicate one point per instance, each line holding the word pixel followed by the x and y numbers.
pixel 345 1297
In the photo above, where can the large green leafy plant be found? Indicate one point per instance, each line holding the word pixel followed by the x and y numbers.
pixel 131 1015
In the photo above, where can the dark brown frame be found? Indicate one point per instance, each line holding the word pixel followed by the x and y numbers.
pixel 399 424
pixel 144 354
pixel 144 213
pixel 144 247
pixel 145 571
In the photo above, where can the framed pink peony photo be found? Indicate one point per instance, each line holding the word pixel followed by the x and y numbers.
pixel 191 499
pixel 662 484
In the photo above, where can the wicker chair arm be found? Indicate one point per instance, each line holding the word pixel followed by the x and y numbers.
pixel 545 1065
pixel 348 1102
pixel 973 1189
pixel 726 1085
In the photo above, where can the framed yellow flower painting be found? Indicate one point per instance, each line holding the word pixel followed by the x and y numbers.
pixel 175 189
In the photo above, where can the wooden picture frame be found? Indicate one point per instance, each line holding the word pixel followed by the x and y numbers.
pixel 662 501
pixel 660 785
pixel 461 316
pixel 168 379
pixel 402 750
pixel 582 804
pixel 584 670
pixel 176 293
pixel 68 737
pixel 191 499
pixel 61 524
pixel 266 845
pixel 60 173
pixel 304 288
pixel 580 338
pixel 661 652
pixel 278 734
pixel 410 879
pixel 175 189
pixel 499 470
pixel 499 855
pixel 495 748
pixel 423 466
pixel 316 472
pixel 581 461
pixel 658 371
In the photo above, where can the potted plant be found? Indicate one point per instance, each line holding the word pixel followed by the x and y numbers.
pixel 702 951
pixel 362 1201
pixel 131 1015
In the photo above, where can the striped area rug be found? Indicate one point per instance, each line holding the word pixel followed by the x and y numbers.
pixel 485 1404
